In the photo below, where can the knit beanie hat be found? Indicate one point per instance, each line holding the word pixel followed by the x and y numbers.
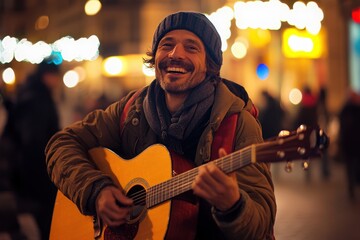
pixel 194 22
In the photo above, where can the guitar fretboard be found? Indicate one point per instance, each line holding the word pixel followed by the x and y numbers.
pixel 182 182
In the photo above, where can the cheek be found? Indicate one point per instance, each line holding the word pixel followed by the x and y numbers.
pixel 156 65
pixel 157 60
pixel 201 65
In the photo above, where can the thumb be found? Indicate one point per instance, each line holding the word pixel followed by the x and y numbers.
pixel 122 199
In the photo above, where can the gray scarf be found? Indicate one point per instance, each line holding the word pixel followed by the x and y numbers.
pixel 173 129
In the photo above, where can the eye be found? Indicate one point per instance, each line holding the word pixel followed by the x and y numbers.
pixel 166 45
pixel 192 48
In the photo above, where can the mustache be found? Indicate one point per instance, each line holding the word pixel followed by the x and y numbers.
pixel 176 63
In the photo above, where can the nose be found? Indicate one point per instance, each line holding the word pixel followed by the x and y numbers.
pixel 177 52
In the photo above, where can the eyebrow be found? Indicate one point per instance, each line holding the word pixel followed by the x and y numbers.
pixel 189 40
pixel 195 42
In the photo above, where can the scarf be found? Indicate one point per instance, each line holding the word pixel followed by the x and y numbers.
pixel 173 129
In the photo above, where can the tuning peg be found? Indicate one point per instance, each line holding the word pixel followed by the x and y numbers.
pixel 284 133
pixel 306 165
pixel 301 128
pixel 288 167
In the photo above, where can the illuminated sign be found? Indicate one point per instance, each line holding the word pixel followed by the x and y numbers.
pixel 302 44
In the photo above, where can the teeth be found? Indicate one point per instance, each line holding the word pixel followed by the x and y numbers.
pixel 175 69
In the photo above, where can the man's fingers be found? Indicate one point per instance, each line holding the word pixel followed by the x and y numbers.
pixel 222 152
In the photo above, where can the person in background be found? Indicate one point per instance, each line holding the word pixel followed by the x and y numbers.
pixel 181 109
pixel 323 117
pixel 349 118
pixel 307 113
pixel 32 120
pixel 271 116
pixel 3 113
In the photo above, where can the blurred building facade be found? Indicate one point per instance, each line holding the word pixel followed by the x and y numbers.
pixel 125 28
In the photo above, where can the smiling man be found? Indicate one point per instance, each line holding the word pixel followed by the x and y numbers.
pixel 183 109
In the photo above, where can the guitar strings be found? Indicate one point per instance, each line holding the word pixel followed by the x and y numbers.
pixel 164 191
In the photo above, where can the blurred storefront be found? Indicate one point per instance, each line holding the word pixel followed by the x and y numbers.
pixel 351 11
pixel 278 55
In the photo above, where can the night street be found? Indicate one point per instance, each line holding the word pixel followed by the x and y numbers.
pixel 313 208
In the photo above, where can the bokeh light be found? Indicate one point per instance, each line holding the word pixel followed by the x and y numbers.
pixel 92 7
pixel 71 79
pixel 262 71
pixel 8 76
pixel 113 66
pixel 295 96
pixel 42 23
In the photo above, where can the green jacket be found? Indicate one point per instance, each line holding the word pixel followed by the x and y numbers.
pixel 75 174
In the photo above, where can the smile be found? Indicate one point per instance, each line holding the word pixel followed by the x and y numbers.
pixel 176 70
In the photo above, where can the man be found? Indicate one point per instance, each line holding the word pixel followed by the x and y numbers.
pixel 181 109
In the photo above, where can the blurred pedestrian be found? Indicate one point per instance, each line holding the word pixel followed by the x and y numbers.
pixel 3 114
pixel 9 225
pixel 31 122
pixel 323 121
pixel 271 115
pixel 349 118
pixel 307 113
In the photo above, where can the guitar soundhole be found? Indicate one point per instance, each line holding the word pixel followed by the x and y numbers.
pixel 138 194
pixel 129 230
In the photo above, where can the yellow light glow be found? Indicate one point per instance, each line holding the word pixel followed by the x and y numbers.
pixel 131 64
pixel 42 23
pixel 8 76
pixel 149 72
pixel 114 66
pixel 239 50
pixel 92 7
pixel 259 37
pixel 81 72
pixel 302 44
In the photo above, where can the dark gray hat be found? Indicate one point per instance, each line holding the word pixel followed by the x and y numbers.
pixel 194 22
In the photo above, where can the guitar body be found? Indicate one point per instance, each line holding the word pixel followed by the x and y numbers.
pixel 164 221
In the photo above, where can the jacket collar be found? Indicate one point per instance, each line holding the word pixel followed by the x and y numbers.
pixel 226 103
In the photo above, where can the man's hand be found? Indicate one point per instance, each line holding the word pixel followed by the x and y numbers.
pixel 213 185
pixel 112 206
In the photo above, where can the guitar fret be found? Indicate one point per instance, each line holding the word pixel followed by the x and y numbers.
pixel 175 186
pixel 181 183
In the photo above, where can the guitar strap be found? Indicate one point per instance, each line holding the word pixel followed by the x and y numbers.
pixel 125 112
pixel 224 136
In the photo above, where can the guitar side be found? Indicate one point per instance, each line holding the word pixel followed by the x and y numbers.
pixel 153 165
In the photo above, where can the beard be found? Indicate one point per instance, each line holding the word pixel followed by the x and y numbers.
pixel 178 83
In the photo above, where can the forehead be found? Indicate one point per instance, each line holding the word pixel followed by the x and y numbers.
pixel 182 35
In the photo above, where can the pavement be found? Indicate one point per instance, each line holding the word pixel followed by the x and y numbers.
pixel 313 208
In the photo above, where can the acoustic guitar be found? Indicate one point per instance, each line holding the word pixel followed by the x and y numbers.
pixel 159 182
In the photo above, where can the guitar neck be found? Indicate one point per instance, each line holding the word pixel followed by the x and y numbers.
pixel 300 144
pixel 181 183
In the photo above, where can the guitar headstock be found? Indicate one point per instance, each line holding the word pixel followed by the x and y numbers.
pixel 303 143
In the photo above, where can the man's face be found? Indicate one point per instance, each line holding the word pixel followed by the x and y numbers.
pixel 180 61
